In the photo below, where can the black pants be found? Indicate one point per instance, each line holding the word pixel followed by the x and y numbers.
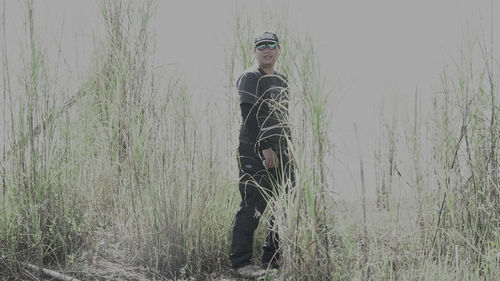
pixel 257 185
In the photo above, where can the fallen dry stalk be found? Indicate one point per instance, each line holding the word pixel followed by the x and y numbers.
pixel 51 273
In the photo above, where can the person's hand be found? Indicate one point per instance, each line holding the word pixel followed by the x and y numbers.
pixel 270 158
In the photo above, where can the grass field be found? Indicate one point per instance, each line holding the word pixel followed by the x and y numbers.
pixel 128 176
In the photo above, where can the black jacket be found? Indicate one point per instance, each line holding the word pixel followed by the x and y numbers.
pixel 264 108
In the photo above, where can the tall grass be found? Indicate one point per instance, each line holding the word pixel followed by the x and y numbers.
pixel 386 166
pixel 125 156
pixel 449 165
pixel 160 176
pixel 42 219
pixel 466 159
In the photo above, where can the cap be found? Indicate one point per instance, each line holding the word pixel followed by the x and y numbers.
pixel 266 37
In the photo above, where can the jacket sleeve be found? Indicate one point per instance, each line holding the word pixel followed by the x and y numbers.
pixel 272 116
pixel 270 125
pixel 247 88
pixel 249 115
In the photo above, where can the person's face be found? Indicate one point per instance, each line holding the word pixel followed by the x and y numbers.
pixel 266 55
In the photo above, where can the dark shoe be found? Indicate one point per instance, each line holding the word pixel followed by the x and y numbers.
pixel 249 271
pixel 274 264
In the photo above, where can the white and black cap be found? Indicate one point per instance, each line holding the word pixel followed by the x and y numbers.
pixel 266 37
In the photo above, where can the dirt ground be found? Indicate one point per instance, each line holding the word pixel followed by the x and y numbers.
pixel 109 259
pixel 106 270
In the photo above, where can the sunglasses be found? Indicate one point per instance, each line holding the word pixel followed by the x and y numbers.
pixel 262 47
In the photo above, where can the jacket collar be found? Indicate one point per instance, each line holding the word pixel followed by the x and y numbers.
pixel 262 72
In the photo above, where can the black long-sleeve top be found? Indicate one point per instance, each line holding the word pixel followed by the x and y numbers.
pixel 264 109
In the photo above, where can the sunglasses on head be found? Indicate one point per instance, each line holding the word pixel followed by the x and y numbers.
pixel 263 46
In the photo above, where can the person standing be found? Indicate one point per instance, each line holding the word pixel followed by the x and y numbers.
pixel 262 154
